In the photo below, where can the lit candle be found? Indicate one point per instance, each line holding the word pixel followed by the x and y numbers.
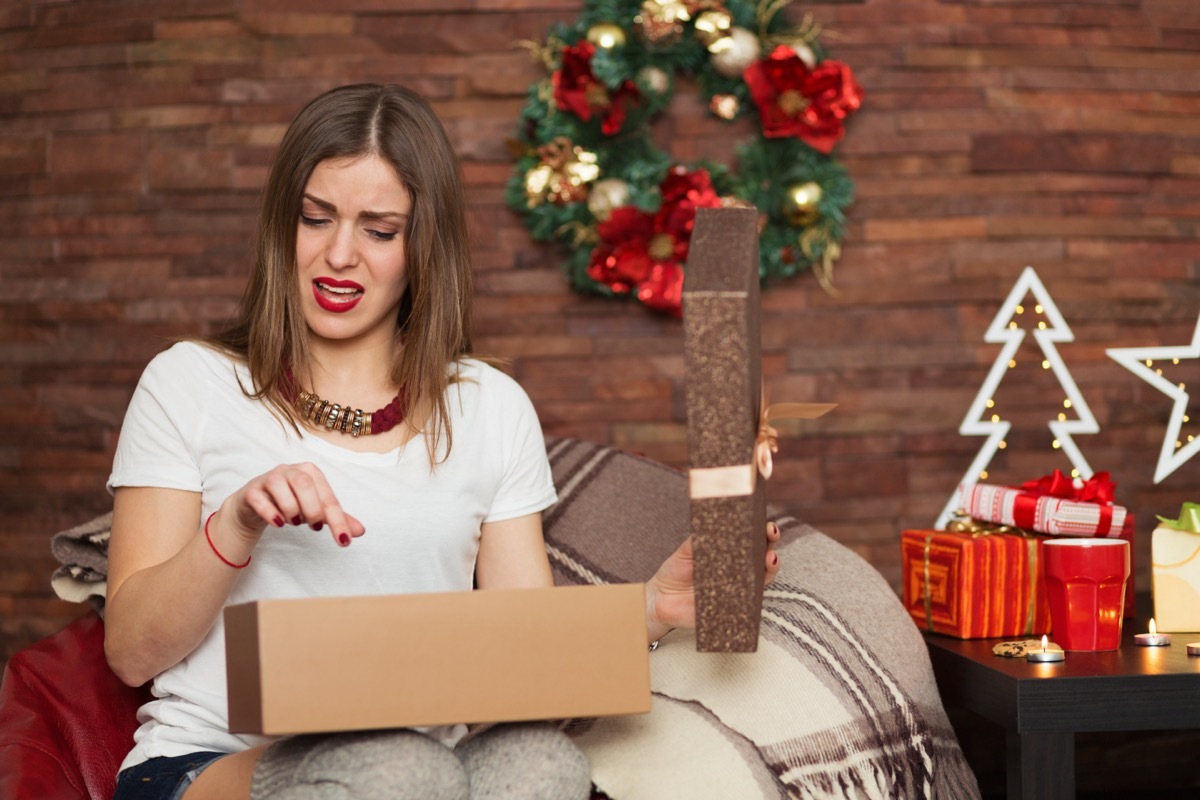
pixel 1153 638
pixel 1044 656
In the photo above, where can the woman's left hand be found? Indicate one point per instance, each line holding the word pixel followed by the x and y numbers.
pixel 671 593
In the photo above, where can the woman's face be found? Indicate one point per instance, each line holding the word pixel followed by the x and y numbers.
pixel 350 249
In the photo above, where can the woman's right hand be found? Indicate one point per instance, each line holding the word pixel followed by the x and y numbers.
pixel 295 493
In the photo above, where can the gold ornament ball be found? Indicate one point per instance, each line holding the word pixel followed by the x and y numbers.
pixel 606 35
pixel 740 52
pixel 654 80
pixel 800 203
pixel 606 195
pixel 725 106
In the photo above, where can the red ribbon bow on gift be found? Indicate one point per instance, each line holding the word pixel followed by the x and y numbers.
pixel 1097 489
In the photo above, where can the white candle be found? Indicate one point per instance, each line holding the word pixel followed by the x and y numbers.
pixel 1193 648
pixel 1045 656
pixel 1153 638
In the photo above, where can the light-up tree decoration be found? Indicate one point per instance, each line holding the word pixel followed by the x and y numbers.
pixel 1175 451
pixel 983 419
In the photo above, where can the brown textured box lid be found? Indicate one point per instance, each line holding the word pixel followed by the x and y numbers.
pixel 722 362
pixel 354 663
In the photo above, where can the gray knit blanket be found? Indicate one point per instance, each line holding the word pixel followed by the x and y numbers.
pixel 839 700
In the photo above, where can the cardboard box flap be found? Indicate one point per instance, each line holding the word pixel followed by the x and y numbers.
pixel 353 663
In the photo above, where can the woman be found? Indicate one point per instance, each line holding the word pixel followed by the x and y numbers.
pixel 249 466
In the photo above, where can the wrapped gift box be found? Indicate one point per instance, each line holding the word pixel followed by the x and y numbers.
pixel 726 427
pixel 396 661
pixel 1050 505
pixel 1058 506
pixel 975 586
pixel 1175 571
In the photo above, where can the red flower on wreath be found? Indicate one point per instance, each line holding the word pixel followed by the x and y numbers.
pixel 576 90
pixel 644 252
pixel 793 100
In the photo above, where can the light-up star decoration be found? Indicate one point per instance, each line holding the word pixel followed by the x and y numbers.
pixel 1140 361
pixel 983 420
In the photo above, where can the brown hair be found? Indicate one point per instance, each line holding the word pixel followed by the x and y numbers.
pixel 434 320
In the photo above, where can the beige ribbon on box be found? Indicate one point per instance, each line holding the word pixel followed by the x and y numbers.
pixel 739 480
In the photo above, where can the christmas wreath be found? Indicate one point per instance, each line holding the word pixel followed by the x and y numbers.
pixel 587 174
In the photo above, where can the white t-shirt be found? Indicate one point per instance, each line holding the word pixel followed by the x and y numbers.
pixel 190 426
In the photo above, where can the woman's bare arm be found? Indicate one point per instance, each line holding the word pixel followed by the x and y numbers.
pixel 167 583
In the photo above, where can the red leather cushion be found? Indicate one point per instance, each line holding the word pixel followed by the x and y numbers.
pixel 66 721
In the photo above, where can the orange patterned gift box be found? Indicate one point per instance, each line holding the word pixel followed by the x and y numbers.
pixel 973 585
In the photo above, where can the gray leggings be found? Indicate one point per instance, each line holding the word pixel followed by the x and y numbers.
pixel 518 761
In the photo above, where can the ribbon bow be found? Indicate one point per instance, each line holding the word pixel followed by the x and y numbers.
pixel 739 480
pixel 1189 519
pixel 979 527
pixel 1097 489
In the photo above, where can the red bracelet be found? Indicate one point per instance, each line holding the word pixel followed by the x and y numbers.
pixel 214 547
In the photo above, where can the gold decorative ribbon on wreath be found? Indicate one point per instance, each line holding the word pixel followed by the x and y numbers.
pixel 739 480
pixel 977 528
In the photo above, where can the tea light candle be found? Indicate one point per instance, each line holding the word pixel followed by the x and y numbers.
pixel 1193 648
pixel 1045 656
pixel 1153 638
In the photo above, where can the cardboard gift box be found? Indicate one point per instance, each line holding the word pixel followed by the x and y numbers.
pixel 1053 505
pixel 1175 571
pixel 729 436
pixel 501 655
pixel 975 586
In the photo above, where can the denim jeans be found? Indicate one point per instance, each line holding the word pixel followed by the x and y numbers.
pixel 162 778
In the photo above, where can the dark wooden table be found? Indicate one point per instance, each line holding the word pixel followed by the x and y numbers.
pixel 1042 706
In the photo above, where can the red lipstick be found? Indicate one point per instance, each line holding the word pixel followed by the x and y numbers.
pixel 336 295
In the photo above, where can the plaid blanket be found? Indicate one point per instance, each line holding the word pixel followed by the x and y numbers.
pixel 838 702
pixel 82 554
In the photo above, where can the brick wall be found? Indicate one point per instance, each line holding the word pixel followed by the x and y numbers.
pixel 1066 136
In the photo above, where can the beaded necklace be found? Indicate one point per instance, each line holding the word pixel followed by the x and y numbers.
pixel 344 419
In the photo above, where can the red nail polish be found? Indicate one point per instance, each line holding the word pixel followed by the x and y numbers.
pixel 318 526
pixel 278 521
pixel 296 520
pixel 774 559
pixel 344 539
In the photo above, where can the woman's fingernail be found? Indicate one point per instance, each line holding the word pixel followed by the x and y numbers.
pixel 344 539
pixel 774 559
pixel 318 525
pixel 296 520
pixel 278 521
